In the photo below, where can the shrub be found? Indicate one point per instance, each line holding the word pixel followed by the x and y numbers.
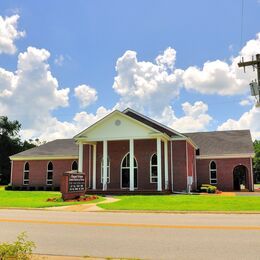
pixel 8 187
pixel 208 188
pixel 21 249
pixel 15 188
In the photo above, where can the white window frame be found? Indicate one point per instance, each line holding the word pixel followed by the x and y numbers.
pixel 153 166
pixel 128 167
pixel 213 181
pixel 108 170
pixel 49 182
pixel 26 181
pixel 72 165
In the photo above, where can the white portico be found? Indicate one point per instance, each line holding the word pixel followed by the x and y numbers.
pixel 118 136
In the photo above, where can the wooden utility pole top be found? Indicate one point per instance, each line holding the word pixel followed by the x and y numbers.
pixel 255 63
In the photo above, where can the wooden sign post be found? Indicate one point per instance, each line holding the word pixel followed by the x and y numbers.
pixel 73 185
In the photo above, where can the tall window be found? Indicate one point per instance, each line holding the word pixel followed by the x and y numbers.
pixel 108 170
pixel 49 173
pixel 213 172
pixel 26 171
pixel 153 169
pixel 74 166
pixel 125 172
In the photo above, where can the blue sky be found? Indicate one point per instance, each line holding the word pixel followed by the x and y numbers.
pixel 85 39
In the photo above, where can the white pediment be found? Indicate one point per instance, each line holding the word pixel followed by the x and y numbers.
pixel 117 126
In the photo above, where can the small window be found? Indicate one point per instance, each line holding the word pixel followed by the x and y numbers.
pixel 153 169
pixel 49 173
pixel 213 173
pixel 108 170
pixel 74 166
pixel 26 172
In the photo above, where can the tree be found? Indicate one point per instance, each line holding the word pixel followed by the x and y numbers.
pixel 257 160
pixel 10 143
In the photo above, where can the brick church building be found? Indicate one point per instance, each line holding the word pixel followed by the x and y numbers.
pixel 129 152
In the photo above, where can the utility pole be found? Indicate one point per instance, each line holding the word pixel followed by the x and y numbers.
pixel 255 85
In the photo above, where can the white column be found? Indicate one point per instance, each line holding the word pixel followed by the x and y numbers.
pixel 105 165
pixel 131 153
pixel 166 174
pixel 159 164
pixel 94 166
pixel 80 167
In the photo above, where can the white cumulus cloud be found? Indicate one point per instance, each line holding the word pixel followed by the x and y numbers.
pixel 146 86
pixel 86 95
pixel 9 33
pixel 221 77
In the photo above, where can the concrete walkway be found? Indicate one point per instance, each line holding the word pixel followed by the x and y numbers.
pixel 83 207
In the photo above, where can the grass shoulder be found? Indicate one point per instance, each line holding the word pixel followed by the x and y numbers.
pixel 35 199
pixel 184 203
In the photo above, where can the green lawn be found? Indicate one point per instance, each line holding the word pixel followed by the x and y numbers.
pixel 185 203
pixel 33 199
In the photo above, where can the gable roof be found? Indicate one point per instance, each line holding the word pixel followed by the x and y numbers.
pixel 221 143
pixel 64 148
pixel 152 123
pixel 110 115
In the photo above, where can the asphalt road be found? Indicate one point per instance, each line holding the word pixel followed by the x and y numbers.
pixel 137 235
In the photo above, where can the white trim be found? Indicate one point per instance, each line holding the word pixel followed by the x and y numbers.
pixel 47 172
pixel 166 170
pixel 195 172
pixel 252 175
pixel 80 165
pixel 187 168
pixel 35 158
pixel 159 164
pixel 108 170
pixel 225 156
pixel 105 165
pixel 79 137
pixel 121 138
pixel 89 166
pixel 26 172
pixel 153 165
pixel 187 139
pixel 152 121
pixel 212 170
pixel 171 167
pixel 131 161
pixel 128 167
pixel 94 169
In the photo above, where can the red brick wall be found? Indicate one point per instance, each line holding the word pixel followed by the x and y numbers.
pixel 143 150
pixel 225 169
pixel 191 164
pixel 179 165
pixel 38 171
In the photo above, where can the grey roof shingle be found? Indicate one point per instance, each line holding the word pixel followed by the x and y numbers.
pixel 59 147
pixel 223 142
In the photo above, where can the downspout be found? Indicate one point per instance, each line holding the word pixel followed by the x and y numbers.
pixel 171 169
pixel 11 175
pixel 89 166
pixel 252 175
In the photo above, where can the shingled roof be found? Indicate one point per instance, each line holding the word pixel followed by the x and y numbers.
pixel 223 142
pixel 56 148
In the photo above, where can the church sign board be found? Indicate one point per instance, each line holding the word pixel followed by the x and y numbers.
pixel 73 185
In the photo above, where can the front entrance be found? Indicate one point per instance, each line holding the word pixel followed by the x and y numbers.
pixel 240 178
pixel 125 172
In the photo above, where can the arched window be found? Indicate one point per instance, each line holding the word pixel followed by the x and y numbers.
pixel 74 166
pixel 108 170
pixel 49 177
pixel 153 169
pixel 26 172
pixel 125 172
pixel 213 172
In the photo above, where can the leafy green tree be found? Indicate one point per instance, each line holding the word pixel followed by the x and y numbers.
pixel 257 160
pixel 10 143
